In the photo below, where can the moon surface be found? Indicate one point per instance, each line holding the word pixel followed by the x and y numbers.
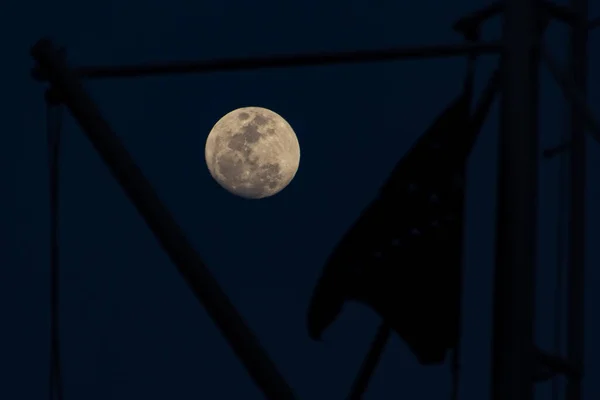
pixel 252 152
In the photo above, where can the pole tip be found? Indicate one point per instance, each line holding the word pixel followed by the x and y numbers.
pixel 42 51
pixel 40 46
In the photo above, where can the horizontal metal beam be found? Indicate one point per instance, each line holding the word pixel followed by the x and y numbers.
pixel 283 61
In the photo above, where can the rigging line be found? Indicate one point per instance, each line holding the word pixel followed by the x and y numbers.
pixel 561 237
pixel 560 255
pixel 560 259
pixel 472 35
pixel 53 126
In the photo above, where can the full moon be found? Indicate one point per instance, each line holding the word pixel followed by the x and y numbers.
pixel 252 152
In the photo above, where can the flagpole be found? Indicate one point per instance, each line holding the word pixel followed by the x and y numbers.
pixel 367 368
pixel 576 220
pixel 516 224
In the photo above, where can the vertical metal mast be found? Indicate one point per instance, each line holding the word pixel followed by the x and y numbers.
pixel 516 225
pixel 576 265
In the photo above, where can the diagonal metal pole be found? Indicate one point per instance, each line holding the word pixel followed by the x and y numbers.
pixel 516 219
pixel 576 219
pixel 577 100
pixel 169 234
pixel 576 97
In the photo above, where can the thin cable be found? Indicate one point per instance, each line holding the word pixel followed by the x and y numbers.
pixel 473 35
pixel 455 363
pixel 560 259
pixel 53 126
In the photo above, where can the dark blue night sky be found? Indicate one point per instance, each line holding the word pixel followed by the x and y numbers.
pixel 131 329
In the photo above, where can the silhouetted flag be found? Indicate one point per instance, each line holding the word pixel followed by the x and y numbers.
pixel 403 256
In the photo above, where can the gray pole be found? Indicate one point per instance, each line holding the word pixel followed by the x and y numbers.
pixel 516 224
pixel 169 234
pixel 576 265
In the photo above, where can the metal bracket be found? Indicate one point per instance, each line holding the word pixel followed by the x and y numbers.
pixel 548 366
pixel 41 75
pixel 476 18
pixel 556 150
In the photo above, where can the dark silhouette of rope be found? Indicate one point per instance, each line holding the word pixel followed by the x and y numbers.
pixel 560 259
pixel 53 127
pixel 472 35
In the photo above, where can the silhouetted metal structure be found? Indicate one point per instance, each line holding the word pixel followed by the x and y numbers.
pixel 576 249
pixel 53 125
pixel 516 223
pixel 516 360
